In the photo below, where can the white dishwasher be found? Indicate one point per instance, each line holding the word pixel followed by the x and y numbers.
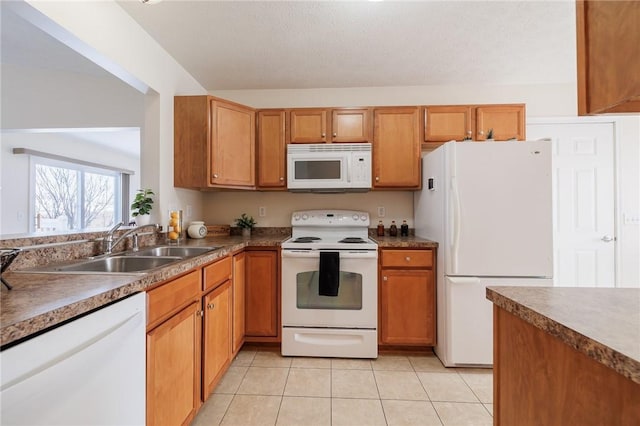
pixel 90 371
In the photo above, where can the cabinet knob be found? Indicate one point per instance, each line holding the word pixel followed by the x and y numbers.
pixel 210 306
pixel 408 259
pixel 324 135
pixel 199 313
pixel 469 132
pixel 335 134
pixel 377 178
pixel 215 176
pixel 481 132
pixel 281 179
pixel 384 278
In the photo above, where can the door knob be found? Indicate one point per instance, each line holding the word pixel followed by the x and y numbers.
pixel 607 238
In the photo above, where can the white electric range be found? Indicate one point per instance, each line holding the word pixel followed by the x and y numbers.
pixel 330 286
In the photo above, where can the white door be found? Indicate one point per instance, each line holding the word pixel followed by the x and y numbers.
pixel 584 208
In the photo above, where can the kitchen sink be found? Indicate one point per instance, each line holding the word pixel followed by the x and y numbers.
pixel 112 264
pixel 178 251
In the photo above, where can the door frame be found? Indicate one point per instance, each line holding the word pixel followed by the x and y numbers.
pixel 617 211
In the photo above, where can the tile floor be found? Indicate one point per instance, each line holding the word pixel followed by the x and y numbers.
pixel 263 388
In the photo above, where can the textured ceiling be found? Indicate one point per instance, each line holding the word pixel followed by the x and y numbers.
pixel 304 44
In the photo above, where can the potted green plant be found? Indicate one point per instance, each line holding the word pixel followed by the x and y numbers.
pixel 246 223
pixel 141 206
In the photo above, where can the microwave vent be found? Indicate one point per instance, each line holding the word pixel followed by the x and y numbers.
pixel 329 147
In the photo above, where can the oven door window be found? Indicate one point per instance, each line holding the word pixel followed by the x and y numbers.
pixel 317 169
pixel 349 293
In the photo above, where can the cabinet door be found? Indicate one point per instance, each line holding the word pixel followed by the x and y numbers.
pixel 350 125
pixel 232 155
pixel 173 368
pixel 239 265
pixel 262 294
pixel 272 149
pixel 507 122
pixel 407 307
pixel 308 125
pixel 446 123
pixel 396 148
pixel 216 338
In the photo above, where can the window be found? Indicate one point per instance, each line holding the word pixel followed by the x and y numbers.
pixel 72 196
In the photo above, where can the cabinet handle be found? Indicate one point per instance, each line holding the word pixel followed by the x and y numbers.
pixel 281 179
pixel 215 176
pixel 469 132
pixel 199 313
pixel 324 135
pixel 210 305
pixel 377 178
pixel 408 259
pixel 481 132
pixel 384 278
pixel 335 134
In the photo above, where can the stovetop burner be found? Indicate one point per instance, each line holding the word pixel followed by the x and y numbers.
pixel 352 240
pixel 306 239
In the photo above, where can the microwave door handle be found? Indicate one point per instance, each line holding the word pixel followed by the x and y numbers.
pixel 349 169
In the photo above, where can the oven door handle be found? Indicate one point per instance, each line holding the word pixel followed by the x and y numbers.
pixel 344 254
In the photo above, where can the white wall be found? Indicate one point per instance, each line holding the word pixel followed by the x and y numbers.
pixel 39 98
pixel 104 32
pixel 15 175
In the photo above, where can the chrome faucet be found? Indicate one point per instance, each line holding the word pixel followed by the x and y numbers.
pixel 109 244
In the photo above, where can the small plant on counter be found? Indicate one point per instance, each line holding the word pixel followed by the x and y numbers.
pixel 142 204
pixel 245 222
pixel 490 134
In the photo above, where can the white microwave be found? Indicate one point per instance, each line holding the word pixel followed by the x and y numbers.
pixel 333 167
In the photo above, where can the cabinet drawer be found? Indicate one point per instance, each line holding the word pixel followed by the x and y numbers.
pixel 217 273
pixel 407 258
pixel 172 295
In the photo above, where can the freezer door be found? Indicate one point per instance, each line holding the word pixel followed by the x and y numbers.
pixel 499 220
pixel 469 318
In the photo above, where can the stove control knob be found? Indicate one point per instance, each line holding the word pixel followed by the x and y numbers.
pixel 355 217
pixel 305 217
pixel 296 216
pixel 363 217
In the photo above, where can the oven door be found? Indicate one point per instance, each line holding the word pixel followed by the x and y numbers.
pixel 355 306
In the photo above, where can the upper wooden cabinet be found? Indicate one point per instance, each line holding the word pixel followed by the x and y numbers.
pixel 272 150
pixel 214 143
pixel 312 125
pixel 608 34
pixel 396 148
pixel 460 122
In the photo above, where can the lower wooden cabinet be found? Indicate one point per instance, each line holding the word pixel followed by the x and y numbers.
pixel 216 337
pixel 173 368
pixel 262 296
pixel 407 298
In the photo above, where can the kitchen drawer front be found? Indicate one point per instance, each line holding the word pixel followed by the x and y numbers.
pixel 407 258
pixel 172 295
pixel 217 273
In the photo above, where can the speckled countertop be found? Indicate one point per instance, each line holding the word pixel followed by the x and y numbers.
pixel 602 323
pixel 40 301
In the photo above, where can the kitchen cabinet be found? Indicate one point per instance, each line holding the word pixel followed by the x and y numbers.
pixel 214 143
pixel 313 125
pixel 459 122
pixel 173 351
pixel 216 353
pixel 238 292
pixel 262 312
pixel 608 60
pixel 272 150
pixel 396 148
pixel 407 298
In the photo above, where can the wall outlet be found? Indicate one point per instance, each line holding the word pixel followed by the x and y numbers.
pixel 381 211
pixel 189 211
pixel 262 211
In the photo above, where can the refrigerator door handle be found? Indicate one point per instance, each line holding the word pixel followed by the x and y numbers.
pixel 456 228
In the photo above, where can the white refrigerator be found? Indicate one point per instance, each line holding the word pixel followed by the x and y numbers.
pixel 488 205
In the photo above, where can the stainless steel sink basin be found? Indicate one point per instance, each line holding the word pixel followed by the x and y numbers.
pixel 110 265
pixel 178 251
